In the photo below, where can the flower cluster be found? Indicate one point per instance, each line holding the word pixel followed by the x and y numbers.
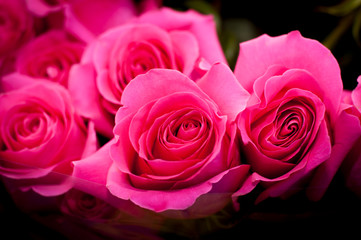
pixel 137 109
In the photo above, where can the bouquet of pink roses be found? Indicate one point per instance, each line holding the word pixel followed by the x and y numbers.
pixel 120 116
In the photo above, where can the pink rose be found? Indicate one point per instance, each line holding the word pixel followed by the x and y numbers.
pixel 43 7
pixel 16 25
pixel 352 164
pixel 122 53
pixel 291 125
pixel 203 28
pixel 40 134
pixel 77 215
pixel 174 145
pixel 50 56
pixel 78 15
pixel 85 206
pixel 80 20
pixel 86 215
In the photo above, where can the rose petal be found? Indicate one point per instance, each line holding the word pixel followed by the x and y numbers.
pixel 293 52
pixel 152 86
pixel 291 79
pixel 319 153
pixel 266 166
pixel 356 94
pixel 8 82
pixel 91 145
pixel 82 83
pixel 344 139
pixel 90 173
pixel 49 56
pixel 222 86
pixel 158 201
pixel 80 20
pixel 59 119
pixel 217 198
pixel 186 48
pixel 53 184
pixel 157 111
pixel 202 26
pixel 122 147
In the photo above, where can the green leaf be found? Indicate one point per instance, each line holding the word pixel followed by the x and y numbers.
pixel 343 8
pixel 344 24
pixel 356 28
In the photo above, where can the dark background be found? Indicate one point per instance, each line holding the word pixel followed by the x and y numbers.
pixel 339 211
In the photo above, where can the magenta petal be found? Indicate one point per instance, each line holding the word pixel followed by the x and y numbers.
pixel 186 48
pixel 106 88
pixel 292 79
pixel 347 130
pixel 222 86
pixel 134 128
pixel 158 201
pixel 40 8
pixel 293 52
pixel 171 170
pixel 266 166
pixel 273 72
pixel 16 81
pixel 155 84
pixel 90 173
pixel 248 185
pixel 319 153
pixel 356 95
pixel 201 26
pixel 347 97
pixel 288 182
pixel 82 83
pixel 87 19
pixel 218 197
pixel 156 118
pixel 56 132
pixel 74 26
pixel 99 16
pixel 91 144
pixel 122 151
pixel 56 184
pixel 10 168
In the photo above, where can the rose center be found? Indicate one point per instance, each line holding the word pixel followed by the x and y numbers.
pixel 183 134
pixel 88 201
pixel 28 131
pixel 140 57
pixel 289 126
pixel 29 126
pixel 188 130
pixel 52 71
